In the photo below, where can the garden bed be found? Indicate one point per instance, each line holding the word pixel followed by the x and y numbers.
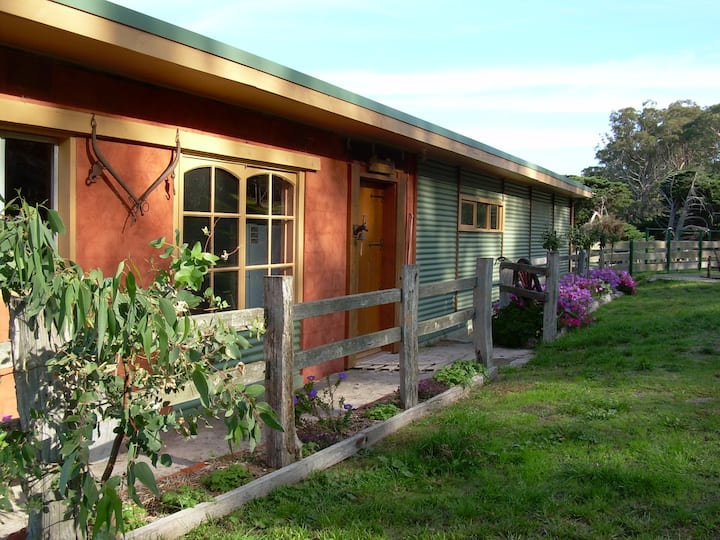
pixel 265 479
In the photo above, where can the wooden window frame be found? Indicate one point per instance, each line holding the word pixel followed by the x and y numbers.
pixel 243 171
pixel 476 202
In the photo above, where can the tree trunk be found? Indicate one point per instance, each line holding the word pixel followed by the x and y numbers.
pixel 31 350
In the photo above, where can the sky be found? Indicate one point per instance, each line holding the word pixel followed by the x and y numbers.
pixel 537 79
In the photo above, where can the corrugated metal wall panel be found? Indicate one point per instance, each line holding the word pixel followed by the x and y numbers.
pixel 516 238
pixel 562 221
pixel 437 202
pixel 542 220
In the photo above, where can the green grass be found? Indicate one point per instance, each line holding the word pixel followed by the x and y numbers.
pixel 612 431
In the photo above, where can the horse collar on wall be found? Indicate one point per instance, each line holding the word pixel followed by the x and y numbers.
pixel 101 164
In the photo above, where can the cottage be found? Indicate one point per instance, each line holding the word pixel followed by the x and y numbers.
pixel 133 128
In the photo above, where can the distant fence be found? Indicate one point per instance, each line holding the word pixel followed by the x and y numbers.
pixel 658 256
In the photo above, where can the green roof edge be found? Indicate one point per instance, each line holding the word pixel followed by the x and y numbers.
pixel 164 29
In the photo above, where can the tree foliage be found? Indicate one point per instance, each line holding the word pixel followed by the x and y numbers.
pixel 670 161
pixel 124 351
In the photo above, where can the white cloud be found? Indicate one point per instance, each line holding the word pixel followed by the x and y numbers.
pixel 600 87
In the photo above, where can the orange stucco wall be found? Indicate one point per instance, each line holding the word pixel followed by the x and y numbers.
pixel 107 230
pixel 106 233
pixel 326 249
pixel 8 405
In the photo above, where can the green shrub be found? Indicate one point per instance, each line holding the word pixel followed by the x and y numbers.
pixel 224 480
pixel 134 516
pixel 460 372
pixel 383 411
pixel 518 325
pixel 183 497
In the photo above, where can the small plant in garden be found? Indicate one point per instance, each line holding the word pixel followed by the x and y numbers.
pixel 227 479
pixel 133 516
pixel 334 417
pixel 550 240
pixel 183 497
pixel 383 411
pixel 430 387
pixel 460 372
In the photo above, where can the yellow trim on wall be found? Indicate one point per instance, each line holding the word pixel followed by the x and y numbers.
pixel 36 117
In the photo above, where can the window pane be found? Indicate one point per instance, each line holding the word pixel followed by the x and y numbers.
pixel 256 242
pixel 29 169
pixel 282 194
pixel 257 195
pixel 227 193
pixel 282 271
pixel 226 287
pixel 193 230
pixel 482 213
pixel 225 240
pixel 494 214
pixel 282 242
pixel 254 288
pixel 467 211
pixel 196 190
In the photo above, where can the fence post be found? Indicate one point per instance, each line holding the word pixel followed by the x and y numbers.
pixel 506 276
pixel 668 254
pixel 551 297
pixel 409 371
pixel 583 261
pixel 700 251
pixel 283 447
pixel 32 347
pixel 631 256
pixel 482 323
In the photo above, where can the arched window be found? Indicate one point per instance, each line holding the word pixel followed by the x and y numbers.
pixel 247 217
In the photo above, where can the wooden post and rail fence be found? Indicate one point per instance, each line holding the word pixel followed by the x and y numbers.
pixel 634 256
pixel 282 361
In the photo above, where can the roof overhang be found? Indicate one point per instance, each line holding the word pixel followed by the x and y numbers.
pixel 113 39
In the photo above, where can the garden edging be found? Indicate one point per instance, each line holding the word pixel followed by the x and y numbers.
pixel 179 523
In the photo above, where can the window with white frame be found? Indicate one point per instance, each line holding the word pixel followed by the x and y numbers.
pixel 249 214
pixel 480 215
pixel 28 168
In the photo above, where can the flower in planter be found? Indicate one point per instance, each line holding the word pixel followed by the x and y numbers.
pixel 330 412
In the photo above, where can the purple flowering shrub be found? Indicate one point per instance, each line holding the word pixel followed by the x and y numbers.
pixel 577 294
pixel 520 323
pixel 331 416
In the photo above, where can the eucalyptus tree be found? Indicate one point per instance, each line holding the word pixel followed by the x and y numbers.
pixel 668 158
pixel 97 349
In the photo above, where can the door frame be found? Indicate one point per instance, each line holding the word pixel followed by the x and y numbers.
pixel 399 179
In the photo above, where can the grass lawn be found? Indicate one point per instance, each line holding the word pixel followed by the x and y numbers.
pixel 612 431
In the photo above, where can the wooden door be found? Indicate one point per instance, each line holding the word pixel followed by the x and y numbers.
pixel 376 251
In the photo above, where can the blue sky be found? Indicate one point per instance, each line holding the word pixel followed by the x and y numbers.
pixel 534 78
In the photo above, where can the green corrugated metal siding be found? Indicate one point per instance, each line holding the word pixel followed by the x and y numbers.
pixel 437 203
pixel 562 221
pixel 542 220
pixel 516 238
